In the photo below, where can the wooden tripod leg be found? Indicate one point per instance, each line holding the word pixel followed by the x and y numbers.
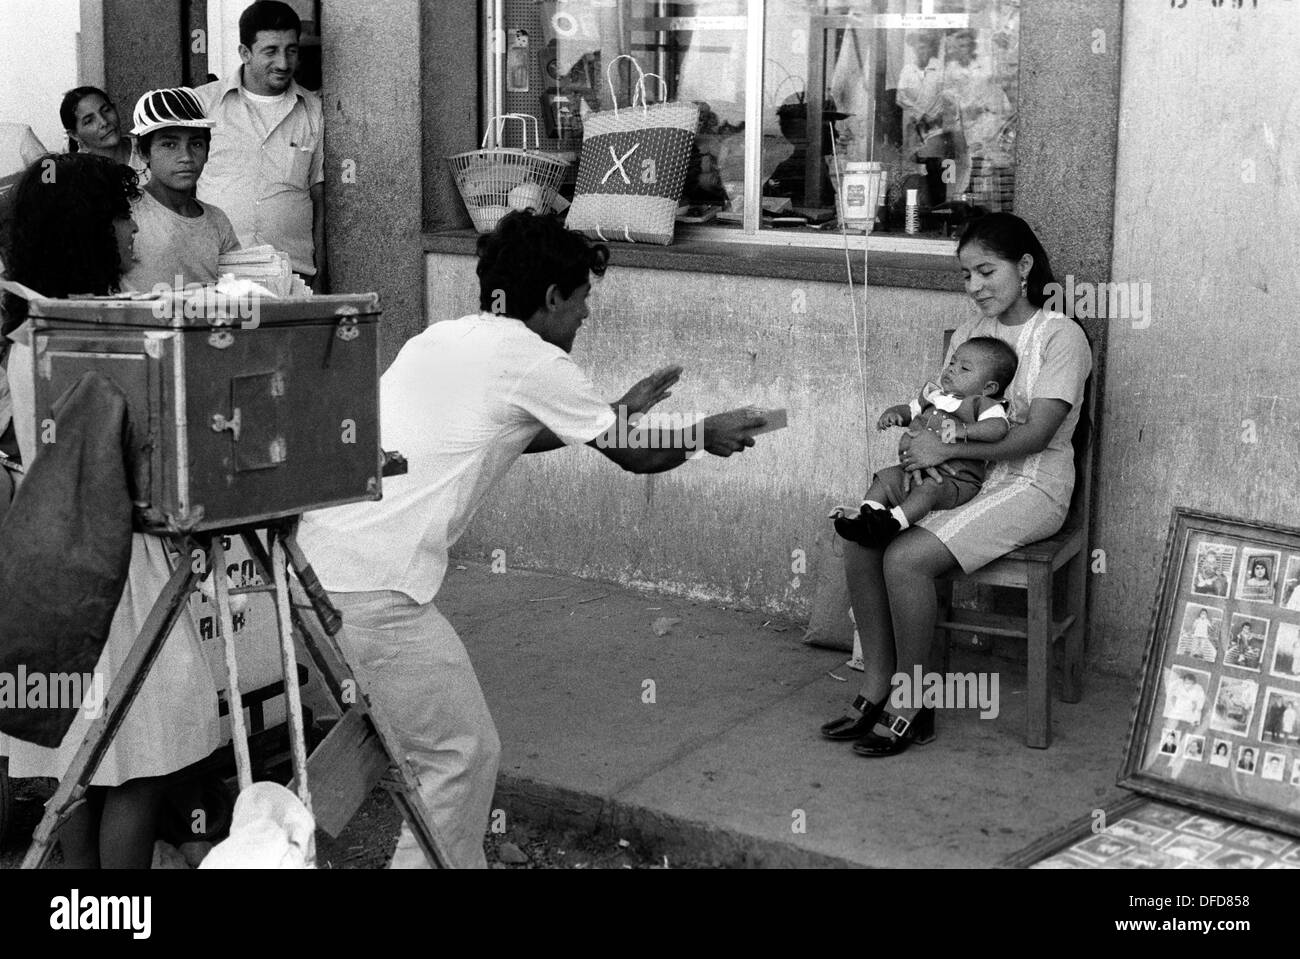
pixel 167 609
pixel 289 664
pixel 402 783
pixel 238 732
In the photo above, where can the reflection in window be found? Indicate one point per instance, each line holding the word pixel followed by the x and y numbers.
pixel 697 49
pixel 863 103
pixel 880 99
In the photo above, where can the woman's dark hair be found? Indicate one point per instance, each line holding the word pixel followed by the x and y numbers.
pixel 1009 237
pixel 68 109
pixel 62 237
pixel 267 15
pixel 524 255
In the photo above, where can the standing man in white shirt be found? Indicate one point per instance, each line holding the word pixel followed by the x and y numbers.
pixel 266 167
pixel 462 401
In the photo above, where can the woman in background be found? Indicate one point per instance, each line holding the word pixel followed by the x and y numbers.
pixel 73 234
pixel 91 121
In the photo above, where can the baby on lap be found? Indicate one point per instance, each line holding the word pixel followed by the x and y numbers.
pixel 966 404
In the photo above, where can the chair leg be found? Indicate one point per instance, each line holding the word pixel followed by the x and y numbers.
pixel 1077 603
pixel 1038 707
pixel 943 593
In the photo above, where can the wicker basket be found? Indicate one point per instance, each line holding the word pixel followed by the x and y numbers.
pixel 495 180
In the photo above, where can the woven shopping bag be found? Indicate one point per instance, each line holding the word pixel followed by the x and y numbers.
pixel 632 167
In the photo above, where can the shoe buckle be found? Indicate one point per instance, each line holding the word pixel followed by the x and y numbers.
pixel 898 725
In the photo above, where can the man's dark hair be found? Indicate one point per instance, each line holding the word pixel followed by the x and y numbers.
pixel 144 142
pixel 62 238
pixel 267 15
pixel 524 255
pixel 1002 359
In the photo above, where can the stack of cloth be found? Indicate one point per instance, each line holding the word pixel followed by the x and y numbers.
pixel 266 266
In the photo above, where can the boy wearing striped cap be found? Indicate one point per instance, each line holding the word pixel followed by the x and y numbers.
pixel 179 237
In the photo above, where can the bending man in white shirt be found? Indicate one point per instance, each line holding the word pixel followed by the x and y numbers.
pixel 462 401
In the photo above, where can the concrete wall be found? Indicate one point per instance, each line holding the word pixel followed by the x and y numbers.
pixel 1207 207
pixel 723 530
pixel 37 66
pixel 142 49
pixel 372 71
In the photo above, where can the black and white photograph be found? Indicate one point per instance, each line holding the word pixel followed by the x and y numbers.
pixel 1169 742
pixel 1237 859
pixel 1247 759
pixel 1206 827
pixel 1137 831
pixel 1280 717
pixel 1286 652
pixel 1104 847
pixel 1201 634
pixel 1245 643
pixel 1212 570
pixel 1185 694
pixel 1191 848
pixel 1268 842
pixel 1290 595
pixel 1274 766
pixel 676 435
pixel 1234 705
pixel 1257 580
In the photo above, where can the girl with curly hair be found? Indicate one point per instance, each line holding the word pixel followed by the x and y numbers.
pixel 73 234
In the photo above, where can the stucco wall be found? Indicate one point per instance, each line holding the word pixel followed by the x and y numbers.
pixel 725 530
pixel 1207 207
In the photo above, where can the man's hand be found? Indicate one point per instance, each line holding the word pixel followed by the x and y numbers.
pixel 727 433
pixel 653 389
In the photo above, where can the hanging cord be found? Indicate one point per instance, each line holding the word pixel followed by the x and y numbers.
pixel 859 327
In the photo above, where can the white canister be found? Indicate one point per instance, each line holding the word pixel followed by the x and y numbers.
pixel 861 192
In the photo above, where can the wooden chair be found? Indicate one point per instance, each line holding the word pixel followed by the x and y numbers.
pixel 1054 611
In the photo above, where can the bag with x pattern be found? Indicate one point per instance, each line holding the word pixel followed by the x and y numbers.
pixel 631 172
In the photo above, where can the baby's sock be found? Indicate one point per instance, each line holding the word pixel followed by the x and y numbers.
pixel 872 504
pixel 897 513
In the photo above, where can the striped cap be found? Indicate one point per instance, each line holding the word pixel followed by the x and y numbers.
pixel 173 107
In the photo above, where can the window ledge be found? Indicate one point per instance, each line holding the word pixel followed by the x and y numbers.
pixel 915 270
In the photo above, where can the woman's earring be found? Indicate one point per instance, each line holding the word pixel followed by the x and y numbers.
pixel 1024 286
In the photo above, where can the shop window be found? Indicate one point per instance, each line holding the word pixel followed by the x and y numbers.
pixel 893 119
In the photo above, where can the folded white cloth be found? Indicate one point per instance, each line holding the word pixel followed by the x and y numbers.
pixel 271 829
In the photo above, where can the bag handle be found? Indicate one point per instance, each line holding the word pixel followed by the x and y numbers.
pixel 640 90
pixel 497 125
pixel 609 79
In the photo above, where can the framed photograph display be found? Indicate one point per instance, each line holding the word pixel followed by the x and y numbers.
pixel 1219 586
pixel 1213 758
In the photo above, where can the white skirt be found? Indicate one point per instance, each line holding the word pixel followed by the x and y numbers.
pixel 173 721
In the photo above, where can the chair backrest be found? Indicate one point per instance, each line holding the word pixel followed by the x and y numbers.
pixel 1084 433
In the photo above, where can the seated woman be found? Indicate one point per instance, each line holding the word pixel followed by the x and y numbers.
pixel 73 233
pixel 1025 497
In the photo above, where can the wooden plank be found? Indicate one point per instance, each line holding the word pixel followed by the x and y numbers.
pixel 1038 707
pixel 343 771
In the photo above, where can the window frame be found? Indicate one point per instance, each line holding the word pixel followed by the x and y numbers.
pixel 751 230
pixel 1067 142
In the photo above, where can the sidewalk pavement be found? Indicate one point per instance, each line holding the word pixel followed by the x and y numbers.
pixel 725 764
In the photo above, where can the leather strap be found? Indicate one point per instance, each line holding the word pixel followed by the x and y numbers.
pixel 896 724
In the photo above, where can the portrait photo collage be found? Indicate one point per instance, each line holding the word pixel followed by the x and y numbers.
pixel 1227 714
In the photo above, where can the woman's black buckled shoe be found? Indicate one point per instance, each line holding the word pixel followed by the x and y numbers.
pixel 902 733
pixel 854 727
